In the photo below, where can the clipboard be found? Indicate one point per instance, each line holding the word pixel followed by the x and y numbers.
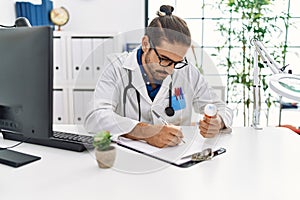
pixel 180 155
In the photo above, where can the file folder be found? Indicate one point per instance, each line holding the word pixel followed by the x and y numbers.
pixel 87 59
pixel 78 106
pixel 38 15
pixel 58 107
pixel 18 9
pixel 76 58
pixel 59 67
pixel 98 56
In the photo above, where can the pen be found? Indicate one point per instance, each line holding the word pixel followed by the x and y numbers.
pixel 163 121
pixel 160 118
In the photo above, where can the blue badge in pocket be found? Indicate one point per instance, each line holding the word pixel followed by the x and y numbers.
pixel 178 103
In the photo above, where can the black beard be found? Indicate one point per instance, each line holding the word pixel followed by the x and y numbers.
pixel 149 65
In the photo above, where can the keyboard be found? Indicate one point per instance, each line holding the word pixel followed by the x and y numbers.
pixel 61 140
pixel 85 140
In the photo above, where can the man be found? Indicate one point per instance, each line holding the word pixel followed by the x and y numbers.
pixel 137 90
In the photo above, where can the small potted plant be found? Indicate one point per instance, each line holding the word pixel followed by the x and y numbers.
pixel 105 154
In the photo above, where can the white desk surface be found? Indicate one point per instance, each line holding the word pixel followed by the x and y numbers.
pixel 260 165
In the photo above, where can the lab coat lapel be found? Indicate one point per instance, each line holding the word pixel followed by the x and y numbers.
pixel 137 79
pixel 139 83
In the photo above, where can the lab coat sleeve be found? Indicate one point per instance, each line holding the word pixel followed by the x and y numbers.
pixel 204 94
pixel 106 101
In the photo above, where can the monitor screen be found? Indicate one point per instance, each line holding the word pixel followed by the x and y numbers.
pixel 26 57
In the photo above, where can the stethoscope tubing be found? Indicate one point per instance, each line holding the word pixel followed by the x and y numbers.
pixel 168 110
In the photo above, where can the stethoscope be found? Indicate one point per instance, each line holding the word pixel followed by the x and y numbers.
pixel 168 110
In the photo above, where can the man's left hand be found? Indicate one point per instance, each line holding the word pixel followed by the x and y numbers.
pixel 211 126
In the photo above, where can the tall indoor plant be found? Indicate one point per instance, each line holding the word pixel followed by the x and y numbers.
pixel 247 19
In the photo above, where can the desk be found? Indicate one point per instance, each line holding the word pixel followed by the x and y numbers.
pixel 260 165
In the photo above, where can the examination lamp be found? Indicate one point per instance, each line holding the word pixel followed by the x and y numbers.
pixel 284 84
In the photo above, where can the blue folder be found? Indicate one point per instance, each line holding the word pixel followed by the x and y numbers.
pixel 38 15
pixel 18 9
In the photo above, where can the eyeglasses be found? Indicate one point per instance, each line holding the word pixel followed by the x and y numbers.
pixel 166 62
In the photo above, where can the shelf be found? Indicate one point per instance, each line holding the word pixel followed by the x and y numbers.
pixel 74 84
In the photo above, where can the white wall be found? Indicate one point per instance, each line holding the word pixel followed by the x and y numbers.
pixel 101 16
pixel 7 12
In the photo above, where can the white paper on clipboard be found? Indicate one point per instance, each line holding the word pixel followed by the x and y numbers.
pixel 194 143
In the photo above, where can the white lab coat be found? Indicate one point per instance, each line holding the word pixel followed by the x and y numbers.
pixel 106 110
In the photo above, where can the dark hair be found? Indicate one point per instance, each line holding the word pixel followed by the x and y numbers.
pixel 168 27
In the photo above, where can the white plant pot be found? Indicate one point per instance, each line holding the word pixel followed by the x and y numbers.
pixel 106 159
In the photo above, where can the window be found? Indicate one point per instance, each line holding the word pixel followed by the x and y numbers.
pixel 203 16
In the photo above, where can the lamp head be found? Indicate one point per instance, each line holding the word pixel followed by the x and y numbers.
pixel 286 85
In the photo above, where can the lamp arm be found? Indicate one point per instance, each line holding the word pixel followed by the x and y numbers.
pixel 266 57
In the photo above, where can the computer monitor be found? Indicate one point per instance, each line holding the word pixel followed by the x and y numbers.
pixel 26 83
pixel 26 90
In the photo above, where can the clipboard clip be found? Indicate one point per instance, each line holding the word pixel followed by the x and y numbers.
pixel 207 154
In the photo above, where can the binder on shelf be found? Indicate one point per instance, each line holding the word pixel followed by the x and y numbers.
pixel 58 107
pixel 108 47
pixel 38 15
pixel 78 106
pixel 87 101
pixel 87 60
pixel 82 102
pixel 98 56
pixel 76 58
pixel 28 11
pixel 44 11
pixel 48 8
pixel 32 14
pixel 23 9
pixel 18 9
pixel 58 67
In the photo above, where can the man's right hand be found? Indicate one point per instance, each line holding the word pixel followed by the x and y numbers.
pixel 157 135
pixel 167 135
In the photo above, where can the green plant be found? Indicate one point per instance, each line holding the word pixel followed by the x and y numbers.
pixel 248 19
pixel 102 140
pixel 196 60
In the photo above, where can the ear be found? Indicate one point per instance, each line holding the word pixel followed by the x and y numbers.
pixel 145 43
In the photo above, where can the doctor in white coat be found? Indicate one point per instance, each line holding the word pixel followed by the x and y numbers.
pixel 155 79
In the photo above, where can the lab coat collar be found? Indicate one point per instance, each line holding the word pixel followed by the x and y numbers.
pixel 131 60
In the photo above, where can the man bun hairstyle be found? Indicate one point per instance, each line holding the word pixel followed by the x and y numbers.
pixel 165 9
pixel 168 27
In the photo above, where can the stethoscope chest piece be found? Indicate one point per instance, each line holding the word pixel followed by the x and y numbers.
pixel 169 111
